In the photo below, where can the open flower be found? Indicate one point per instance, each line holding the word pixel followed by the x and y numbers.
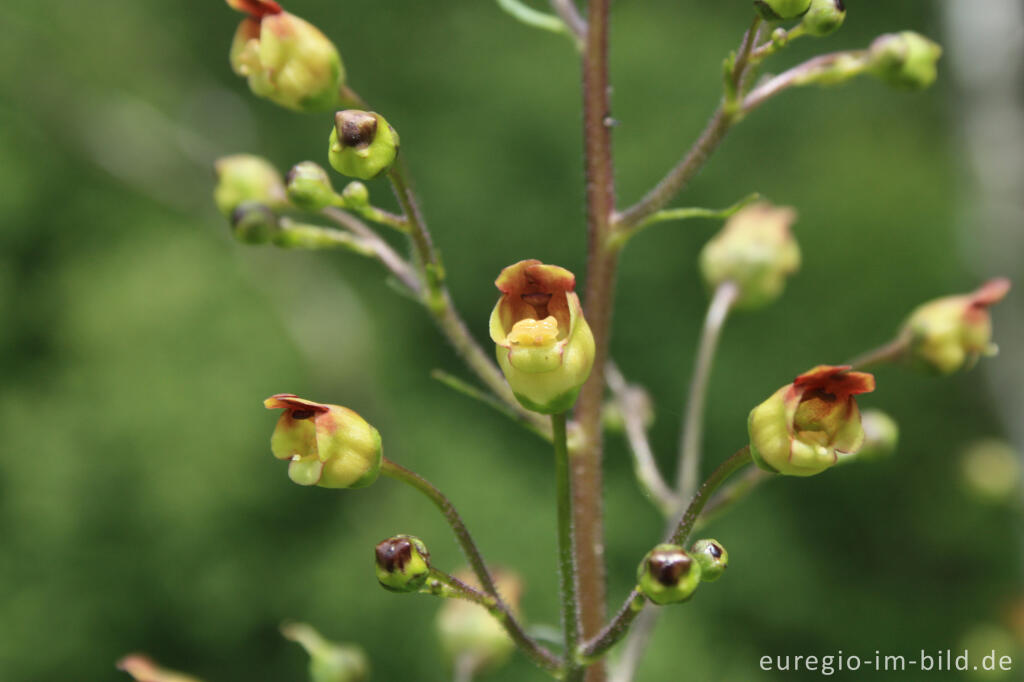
pixel 947 333
pixel 544 346
pixel 328 445
pixel 803 428
pixel 285 59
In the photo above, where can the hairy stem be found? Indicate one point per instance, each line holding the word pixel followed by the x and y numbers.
pixel 893 351
pixel 693 420
pixel 537 653
pixel 566 555
pixel 601 266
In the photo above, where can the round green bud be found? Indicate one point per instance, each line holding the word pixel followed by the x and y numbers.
pixel 756 251
pixel 309 187
pixel 991 470
pixel 254 223
pixel 904 60
pixel 668 575
pixel 245 177
pixel 328 661
pixel 356 195
pixel 773 10
pixel 403 563
pixel 362 144
pixel 824 17
pixel 712 557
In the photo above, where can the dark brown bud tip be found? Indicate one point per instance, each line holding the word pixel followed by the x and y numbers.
pixel 669 568
pixel 393 554
pixel 355 128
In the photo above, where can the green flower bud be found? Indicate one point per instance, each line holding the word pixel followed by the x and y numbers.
pixel 881 435
pixel 254 223
pixel 244 177
pixel 805 426
pixel 773 10
pixel 904 60
pixel 948 333
pixel 712 557
pixel 309 187
pixel 403 563
pixel 470 635
pixel 824 17
pixel 327 445
pixel 544 345
pixel 756 250
pixel 362 144
pixel 328 661
pixel 286 59
pixel 991 470
pixel 356 195
pixel 668 575
pixel 143 669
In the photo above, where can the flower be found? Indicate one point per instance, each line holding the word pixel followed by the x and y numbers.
pixel 804 426
pixel 544 345
pixel 950 332
pixel 756 251
pixel 285 59
pixel 327 445
pixel 668 575
pixel 904 60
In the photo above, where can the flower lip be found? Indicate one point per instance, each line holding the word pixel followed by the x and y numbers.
pixel 534 291
pixel 990 293
pixel 300 407
pixel 833 383
pixel 256 8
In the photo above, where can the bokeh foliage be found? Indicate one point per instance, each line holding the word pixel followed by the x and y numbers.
pixel 140 508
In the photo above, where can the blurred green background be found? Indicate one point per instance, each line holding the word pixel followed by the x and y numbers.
pixel 140 508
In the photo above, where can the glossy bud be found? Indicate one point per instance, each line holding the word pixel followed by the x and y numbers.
pixel 254 223
pixel 326 445
pixel 712 557
pixel 904 60
pixel 286 59
pixel 755 250
pixel 668 575
pixel 309 187
pixel 952 332
pixel 328 661
pixel 773 10
pixel 805 426
pixel 402 563
pixel 356 195
pixel 824 17
pixel 245 177
pixel 362 144
pixel 544 346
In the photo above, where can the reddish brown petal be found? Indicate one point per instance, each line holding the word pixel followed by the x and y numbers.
pixel 529 277
pixel 255 8
pixel 835 382
pixel 290 401
pixel 990 292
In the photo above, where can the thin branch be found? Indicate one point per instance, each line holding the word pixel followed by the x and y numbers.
pixel 693 420
pixel 894 351
pixel 729 495
pixel 644 464
pixel 623 234
pixel 539 654
pixel 805 73
pixel 566 555
pixel 570 14
pixel 535 18
pixel 456 384
pixel 398 266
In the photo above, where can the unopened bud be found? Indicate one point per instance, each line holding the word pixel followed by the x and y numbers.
pixel 326 445
pixel 824 17
pixel 668 575
pixel 254 223
pixel 952 332
pixel 773 10
pixel 362 144
pixel 286 59
pixel 756 251
pixel 328 661
pixel 712 557
pixel 904 60
pixel 245 177
pixel 403 563
pixel 309 187
pixel 356 195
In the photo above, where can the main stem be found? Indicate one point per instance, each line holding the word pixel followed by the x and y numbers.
pixel 601 266
pixel 566 557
